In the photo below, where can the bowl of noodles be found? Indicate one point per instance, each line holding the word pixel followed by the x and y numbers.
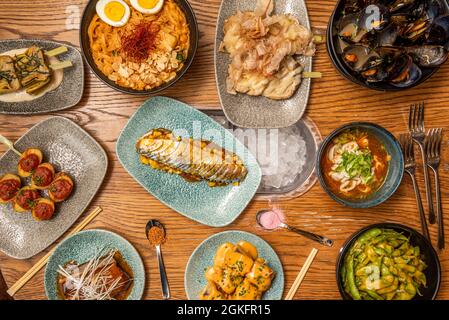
pixel 135 52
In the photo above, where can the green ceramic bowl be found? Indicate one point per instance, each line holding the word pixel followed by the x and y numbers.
pixel 82 247
pixel 203 257
pixel 216 207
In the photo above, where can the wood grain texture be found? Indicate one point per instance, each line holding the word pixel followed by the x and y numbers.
pixel 334 101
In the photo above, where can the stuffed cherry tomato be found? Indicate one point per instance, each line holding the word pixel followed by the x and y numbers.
pixel 9 186
pixel 25 199
pixel 43 176
pixel 61 187
pixel 29 161
pixel 43 209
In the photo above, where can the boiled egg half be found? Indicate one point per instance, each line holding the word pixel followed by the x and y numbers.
pixel 113 12
pixel 148 6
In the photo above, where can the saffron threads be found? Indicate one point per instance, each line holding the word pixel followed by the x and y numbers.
pixel 138 42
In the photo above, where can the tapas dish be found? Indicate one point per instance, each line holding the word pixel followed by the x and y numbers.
pixel 360 165
pixel 139 46
pixel 26 74
pixel 234 265
pixel 238 273
pixel 389 45
pixel 198 286
pixel 218 206
pixel 58 174
pixel 94 265
pixel 263 48
pixel 39 76
pixel 388 262
pixel 42 179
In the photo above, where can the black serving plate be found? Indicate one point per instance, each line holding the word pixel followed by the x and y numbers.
pixel 433 271
pixel 337 61
pixel 89 13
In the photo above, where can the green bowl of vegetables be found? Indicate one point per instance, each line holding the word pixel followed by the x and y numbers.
pixel 388 261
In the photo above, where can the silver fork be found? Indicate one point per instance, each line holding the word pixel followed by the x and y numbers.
pixel 417 130
pixel 410 167
pixel 433 151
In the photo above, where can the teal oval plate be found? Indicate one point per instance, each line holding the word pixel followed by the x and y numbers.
pixel 85 245
pixel 215 207
pixel 203 257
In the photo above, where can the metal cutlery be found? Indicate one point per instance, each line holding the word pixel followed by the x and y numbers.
pixel 433 151
pixel 410 167
pixel 417 131
pixel 163 274
pixel 309 235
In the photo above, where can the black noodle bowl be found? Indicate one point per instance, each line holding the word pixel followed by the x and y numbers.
pixel 89 13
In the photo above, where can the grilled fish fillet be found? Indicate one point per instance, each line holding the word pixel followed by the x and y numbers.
pixel 194 160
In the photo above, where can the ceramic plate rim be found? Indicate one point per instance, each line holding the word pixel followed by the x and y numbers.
pixel 141 265
pixel 205 241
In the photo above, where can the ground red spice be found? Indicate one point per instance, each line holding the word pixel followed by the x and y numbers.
pixel 156 236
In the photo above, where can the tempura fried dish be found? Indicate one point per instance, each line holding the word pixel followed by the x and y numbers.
pixel 238 273
pixel 264 52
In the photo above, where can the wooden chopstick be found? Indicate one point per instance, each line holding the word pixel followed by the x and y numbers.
pixel 301 274
pixel 43 261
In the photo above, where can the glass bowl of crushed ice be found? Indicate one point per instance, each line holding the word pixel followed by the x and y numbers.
pixel 286 156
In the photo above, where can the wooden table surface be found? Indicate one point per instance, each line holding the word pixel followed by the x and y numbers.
pixel 334 101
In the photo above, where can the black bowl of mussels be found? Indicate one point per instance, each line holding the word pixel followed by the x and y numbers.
pixel 389 45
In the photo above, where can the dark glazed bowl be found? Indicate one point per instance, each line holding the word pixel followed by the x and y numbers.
pixel 89 13
pixel 395 171
pixel 337 61
pixel 433 271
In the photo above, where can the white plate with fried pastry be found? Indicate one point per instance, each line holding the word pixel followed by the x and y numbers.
pixel 259 73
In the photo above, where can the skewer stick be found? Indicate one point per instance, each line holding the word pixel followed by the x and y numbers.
pixel 9 144
pixel 312 75
pixel 60 65
pixel 318 38
pixel 43 261
pixel 56 51
pixel 301 274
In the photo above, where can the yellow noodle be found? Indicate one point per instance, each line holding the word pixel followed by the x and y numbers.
pixel 162 65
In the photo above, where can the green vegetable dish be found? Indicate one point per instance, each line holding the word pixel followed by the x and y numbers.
pixel 382 264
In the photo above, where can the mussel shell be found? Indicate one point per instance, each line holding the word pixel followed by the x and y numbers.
pixel 428 55
pixel 433 9
pixel 400 6
pixel 408 75
pixel 348 27
pixel 375 74
pixel 359 57
pixel 415 30
pixel 438 32
pixel 353 6
pixel 388 36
